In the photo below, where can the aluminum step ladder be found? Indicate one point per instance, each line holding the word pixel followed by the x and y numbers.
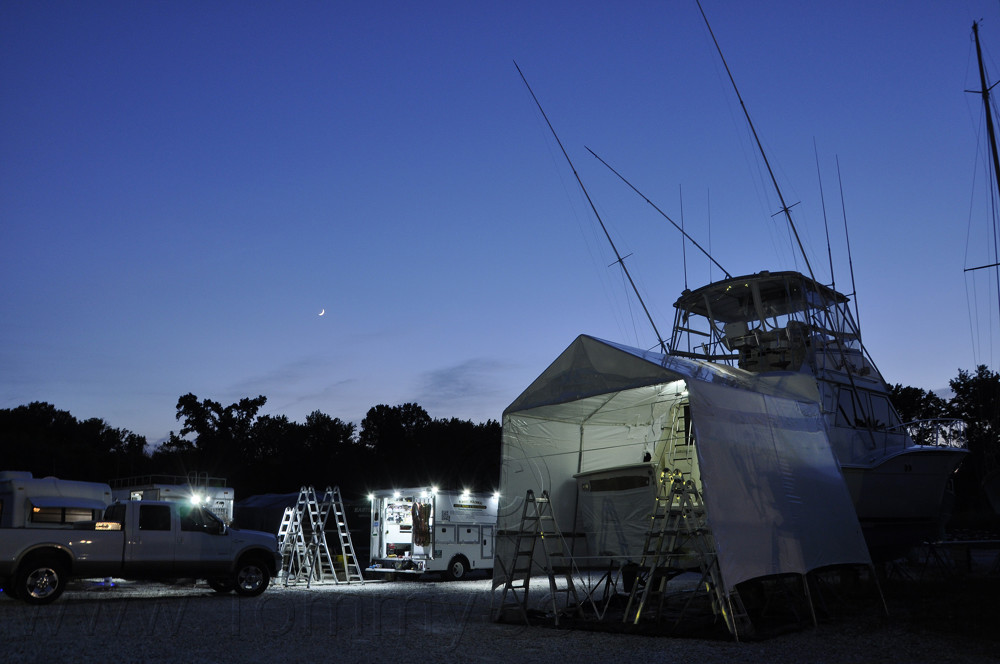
pixel 350 567
pixel 678 533
pixel 538 527
pixel 296 558
pixel 322 562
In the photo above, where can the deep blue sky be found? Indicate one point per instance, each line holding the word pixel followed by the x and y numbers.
pixel 184 186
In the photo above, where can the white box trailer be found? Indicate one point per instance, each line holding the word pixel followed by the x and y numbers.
pixel 49 502
pixel 426 530
pixel 198 488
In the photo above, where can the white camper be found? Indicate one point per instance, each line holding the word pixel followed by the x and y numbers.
pixel 426 530
pixel 48 502
pixel 198 488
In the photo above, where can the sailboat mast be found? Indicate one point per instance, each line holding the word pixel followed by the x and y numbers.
pixel 991 135
pixel 990 131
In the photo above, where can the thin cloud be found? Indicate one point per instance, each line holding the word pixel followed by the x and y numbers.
pixel 469 390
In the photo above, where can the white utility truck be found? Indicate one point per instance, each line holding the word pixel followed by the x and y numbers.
pixel 137 540
pixel 49 502
pixel 210 492
pixel 425 530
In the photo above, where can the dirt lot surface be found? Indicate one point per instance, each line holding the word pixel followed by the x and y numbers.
pixel 942 620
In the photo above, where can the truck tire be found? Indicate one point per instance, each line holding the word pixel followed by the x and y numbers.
pixel 41 579
pixel 251 578
pixel 457 569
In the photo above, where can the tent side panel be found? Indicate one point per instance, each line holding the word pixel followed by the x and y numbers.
pixel 776 499
pixel 541 455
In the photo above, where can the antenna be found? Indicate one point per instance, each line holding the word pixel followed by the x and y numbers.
pixel 618 256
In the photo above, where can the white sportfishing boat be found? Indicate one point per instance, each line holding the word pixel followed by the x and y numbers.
pixel 770 335
pixel 897 473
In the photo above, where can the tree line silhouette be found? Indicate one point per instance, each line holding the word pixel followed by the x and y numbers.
pixel 394 445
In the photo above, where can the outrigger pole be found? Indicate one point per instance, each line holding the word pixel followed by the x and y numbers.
pixel 620 260
pixel 664 214
pixel 760 148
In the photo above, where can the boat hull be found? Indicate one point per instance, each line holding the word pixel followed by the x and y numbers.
pixel 904 500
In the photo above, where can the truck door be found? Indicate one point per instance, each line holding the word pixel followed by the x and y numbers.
pixel 151 543
pixel 203 545
pixel 487 551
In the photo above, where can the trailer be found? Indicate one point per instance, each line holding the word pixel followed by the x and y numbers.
pixel 27 501
pixel 198 488
pixel 426 530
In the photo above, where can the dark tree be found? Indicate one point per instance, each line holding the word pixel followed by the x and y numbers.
pixel 46 441
pixel 914 403
pixel 977 401
pixel 391 432
pixel 222 434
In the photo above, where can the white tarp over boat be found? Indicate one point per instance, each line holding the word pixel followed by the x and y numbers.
pixel 773 490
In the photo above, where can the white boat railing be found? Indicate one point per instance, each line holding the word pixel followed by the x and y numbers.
pixel 937 432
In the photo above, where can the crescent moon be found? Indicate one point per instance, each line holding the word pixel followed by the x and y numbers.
pixel 322 311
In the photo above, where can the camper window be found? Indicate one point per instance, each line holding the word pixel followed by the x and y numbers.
pixel 60 515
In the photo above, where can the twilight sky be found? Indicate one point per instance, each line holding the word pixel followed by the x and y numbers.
pixel 185 186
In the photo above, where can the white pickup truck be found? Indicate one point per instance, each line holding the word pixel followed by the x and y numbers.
pixel 137 540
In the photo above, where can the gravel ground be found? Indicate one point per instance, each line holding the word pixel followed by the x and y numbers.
pixel 379 622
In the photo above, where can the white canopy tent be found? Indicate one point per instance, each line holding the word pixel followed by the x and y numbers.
pixel 773 491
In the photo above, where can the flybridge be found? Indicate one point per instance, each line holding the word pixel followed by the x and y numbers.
pixel 780 321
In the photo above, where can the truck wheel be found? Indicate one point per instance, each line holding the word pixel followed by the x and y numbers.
pixel 457 569
pixel 252 578
pixel 40 580
pixel 221 584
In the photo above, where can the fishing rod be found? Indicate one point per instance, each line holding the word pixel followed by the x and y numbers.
pixel 618 256
pixel 664 214
pixel 784 207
